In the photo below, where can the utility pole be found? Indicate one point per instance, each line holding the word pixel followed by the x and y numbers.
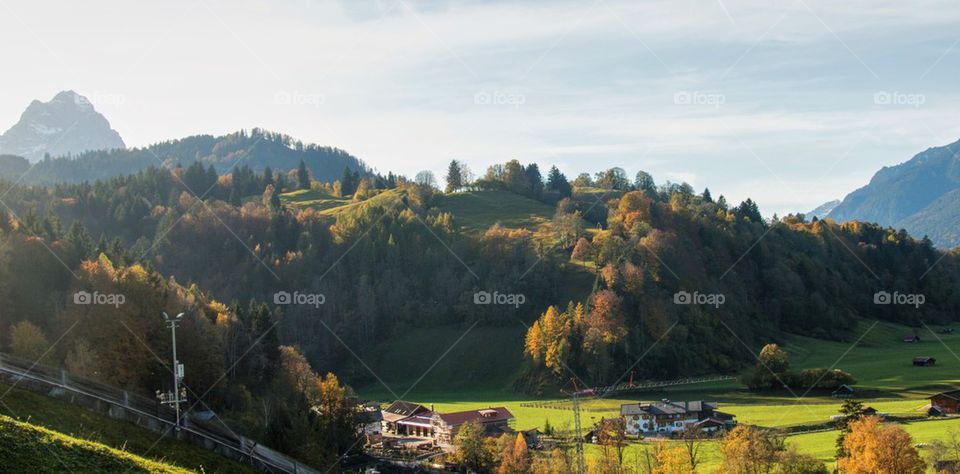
pixel 178 395
pixel 581 469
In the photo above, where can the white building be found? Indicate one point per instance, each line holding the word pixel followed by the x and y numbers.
pixel 666 417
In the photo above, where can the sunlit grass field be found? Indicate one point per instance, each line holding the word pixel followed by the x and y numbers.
pixel 881 362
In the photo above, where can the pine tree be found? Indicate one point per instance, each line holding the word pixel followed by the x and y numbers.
pixel 303 176
pixel 454 177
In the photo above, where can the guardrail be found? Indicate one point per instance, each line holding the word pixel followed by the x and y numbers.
pixel 143 411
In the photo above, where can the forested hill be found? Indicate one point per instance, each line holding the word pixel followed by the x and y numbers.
pixel 258 149
pixel 396 259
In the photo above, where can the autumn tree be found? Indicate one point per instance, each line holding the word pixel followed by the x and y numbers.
pixel 555 462
pixel 692 437
pixel 514 456
pixel 583 250
pixel 471 450
pixel 28 341
pixel 875 448
pixel 747 450
pixel 612 435
pixel 770 369
pixel 672 461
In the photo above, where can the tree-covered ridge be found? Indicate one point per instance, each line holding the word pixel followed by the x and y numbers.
pixel 257 149
pixel 783 275
pixel 391 258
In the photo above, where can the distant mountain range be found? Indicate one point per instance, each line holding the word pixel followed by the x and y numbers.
pixel 67 141
pixel 921 195
pixel 66 125
pixel 822 210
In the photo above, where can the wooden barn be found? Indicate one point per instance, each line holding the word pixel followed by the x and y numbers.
pixel 947 402
pixel 844 391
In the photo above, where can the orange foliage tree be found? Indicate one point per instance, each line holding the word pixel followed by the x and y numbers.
pixel 875 448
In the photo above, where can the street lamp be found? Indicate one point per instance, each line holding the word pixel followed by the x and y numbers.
pixel 178 395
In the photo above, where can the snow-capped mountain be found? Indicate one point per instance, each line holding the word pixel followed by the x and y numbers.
pixel 68 124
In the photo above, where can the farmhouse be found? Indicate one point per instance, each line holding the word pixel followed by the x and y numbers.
pixel 924 361
pixel 446 425
pixel 406 419
pixel 946 402
pixel 666 417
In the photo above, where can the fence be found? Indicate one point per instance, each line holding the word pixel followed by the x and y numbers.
pixel 623 388
pixel 143 411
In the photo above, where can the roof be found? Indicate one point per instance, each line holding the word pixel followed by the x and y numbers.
pixel 420 419
pixel 844 388
pixel 667 407
pixel 401 407
pixel 486 415
pixel 924 359
pixel 954 394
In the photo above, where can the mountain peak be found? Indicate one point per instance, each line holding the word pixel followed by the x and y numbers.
pixel 67 124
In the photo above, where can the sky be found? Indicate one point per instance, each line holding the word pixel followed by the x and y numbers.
pixel 792 103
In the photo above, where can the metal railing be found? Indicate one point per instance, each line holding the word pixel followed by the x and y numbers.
pixel 243 448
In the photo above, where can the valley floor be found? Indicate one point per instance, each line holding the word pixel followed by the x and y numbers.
pixel 881 362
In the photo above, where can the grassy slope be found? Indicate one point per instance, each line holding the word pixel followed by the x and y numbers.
pixel 24 446
pixel 476 211
pixel 85 425
pixel 310 198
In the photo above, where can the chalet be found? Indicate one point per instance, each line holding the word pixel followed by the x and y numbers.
pixel 446 425
pixel 912 339
pixel 924 361
pixel 946 402
pixel 844 391
pixel 667 417
pixel 399 411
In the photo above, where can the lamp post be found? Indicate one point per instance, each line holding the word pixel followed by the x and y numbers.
pixel 178 395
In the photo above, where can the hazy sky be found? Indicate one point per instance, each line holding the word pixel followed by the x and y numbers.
pixel 790 102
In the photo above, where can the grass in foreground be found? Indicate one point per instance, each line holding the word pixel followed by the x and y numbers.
pixel 83 425
pixel 24 447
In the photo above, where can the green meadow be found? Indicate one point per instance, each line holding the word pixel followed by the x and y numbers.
pixel 880 361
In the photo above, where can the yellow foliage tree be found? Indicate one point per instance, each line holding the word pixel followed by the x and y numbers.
pixel 875 448
pixel 747 450
pixel 672 461
pixel 28 341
